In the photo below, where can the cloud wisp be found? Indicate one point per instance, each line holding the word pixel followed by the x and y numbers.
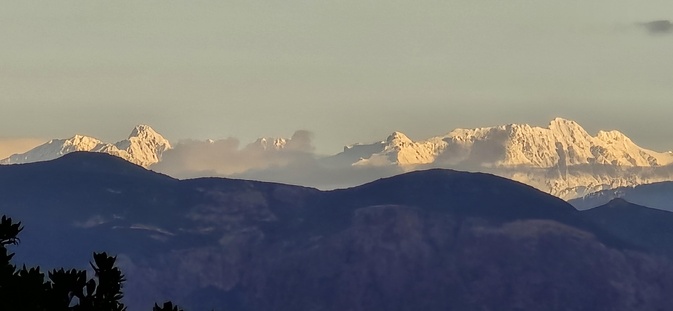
pixel 658 27
pixel 225 157
pixel 291 161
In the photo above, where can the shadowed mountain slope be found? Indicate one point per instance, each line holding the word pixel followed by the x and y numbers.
pixel 657 195
pixel 640 225
pixel 430 240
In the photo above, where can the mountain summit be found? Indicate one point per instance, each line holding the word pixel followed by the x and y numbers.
pixel 561 143
pixel 562 159
pixel 143 147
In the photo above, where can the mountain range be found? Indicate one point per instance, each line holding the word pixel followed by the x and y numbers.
pixel 563 143
pixel 144 147
pixel 425 240
pixel 561 159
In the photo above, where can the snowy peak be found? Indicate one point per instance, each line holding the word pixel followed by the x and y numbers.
pixel 397 149
pixel 76 143
pixel 143 147
pixel 398 138
pixel 613 137
pixel 562 158
pixel 563 143
pixel 567 128
pixel 146 132
pixel 269 143
pixel 56 148
pixel 300 141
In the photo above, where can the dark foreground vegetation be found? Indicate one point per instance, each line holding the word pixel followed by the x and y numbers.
pixel 26 289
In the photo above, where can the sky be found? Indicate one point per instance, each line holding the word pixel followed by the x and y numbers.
pixel 347 71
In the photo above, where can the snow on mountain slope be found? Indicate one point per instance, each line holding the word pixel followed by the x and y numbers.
pixel 562 159
pixel 401 150
pixel 56 148
pixel 580 180
pixel 562 143
pixel 143 147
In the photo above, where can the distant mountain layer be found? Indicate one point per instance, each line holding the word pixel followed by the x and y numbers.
pixel 144 147
pixel 426 240
pixel 561 159
pixel 657 195
pixel 647 227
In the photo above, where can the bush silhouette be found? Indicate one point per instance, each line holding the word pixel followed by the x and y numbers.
pixel 26 289
pixel 168 306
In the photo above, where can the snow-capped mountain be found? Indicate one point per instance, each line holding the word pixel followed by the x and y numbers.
pixel 562 159
pixel 562 143
pixel 144 147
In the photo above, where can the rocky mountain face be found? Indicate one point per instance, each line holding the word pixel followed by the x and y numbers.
pixel 426 240
pixel 563 143
pixel 143 147
pixel 561 159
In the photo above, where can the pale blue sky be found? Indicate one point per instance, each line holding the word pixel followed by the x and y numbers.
pixel 349 71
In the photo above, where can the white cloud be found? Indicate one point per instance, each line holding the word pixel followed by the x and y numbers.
pixel 296 163
pixel 658 27
pixel 224 157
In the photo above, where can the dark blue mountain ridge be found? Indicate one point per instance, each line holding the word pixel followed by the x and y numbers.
pixel 431 240
pixel 656 195
pixel 639 225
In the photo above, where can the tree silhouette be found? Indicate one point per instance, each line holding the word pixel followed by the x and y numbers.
pixel 26 289
pixel 168 306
